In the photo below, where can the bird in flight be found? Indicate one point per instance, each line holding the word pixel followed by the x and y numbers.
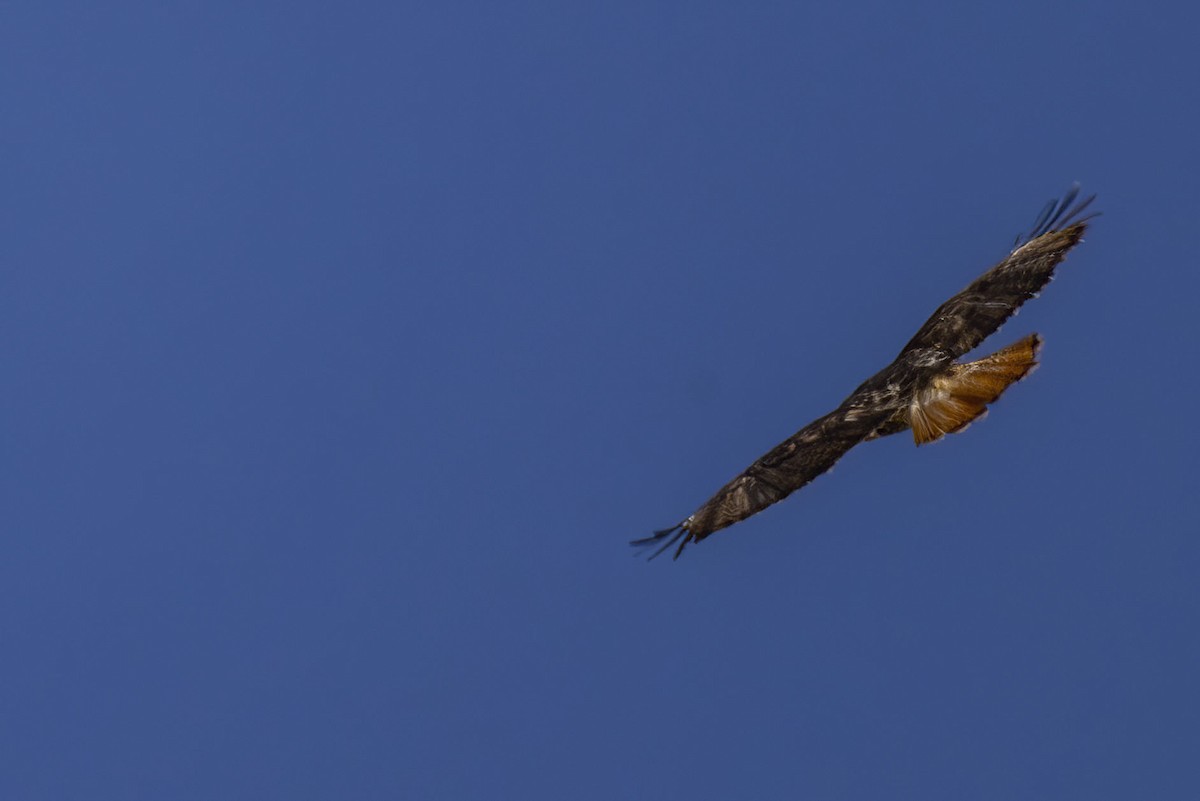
pixel 924 389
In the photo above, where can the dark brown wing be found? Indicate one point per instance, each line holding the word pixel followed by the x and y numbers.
pixel 972 315
pixel 787 467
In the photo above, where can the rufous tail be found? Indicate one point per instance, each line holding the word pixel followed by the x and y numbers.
pixel 956 399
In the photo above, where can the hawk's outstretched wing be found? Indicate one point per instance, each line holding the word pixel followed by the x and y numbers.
pixel 789 466
pixel 923 388
pixel 974 314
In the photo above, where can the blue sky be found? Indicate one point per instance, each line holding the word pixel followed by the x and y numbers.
pixel 345 348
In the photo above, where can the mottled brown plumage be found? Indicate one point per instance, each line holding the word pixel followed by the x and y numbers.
pixel 924 389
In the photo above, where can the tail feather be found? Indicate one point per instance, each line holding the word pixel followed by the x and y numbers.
pixel 955 400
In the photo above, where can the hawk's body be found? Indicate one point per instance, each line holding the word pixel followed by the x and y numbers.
pixel 923 389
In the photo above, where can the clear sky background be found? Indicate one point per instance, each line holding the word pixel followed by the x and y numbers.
pixel 345 346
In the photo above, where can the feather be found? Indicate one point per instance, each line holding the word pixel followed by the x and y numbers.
pixel 960 396
pixel 677 530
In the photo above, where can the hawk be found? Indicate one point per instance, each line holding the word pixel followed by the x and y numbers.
pixel 924 389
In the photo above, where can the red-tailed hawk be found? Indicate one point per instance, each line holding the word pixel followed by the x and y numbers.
pixel 924 389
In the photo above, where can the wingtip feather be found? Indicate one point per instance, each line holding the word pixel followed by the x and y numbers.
pixel 670 535
pixel 1059 215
